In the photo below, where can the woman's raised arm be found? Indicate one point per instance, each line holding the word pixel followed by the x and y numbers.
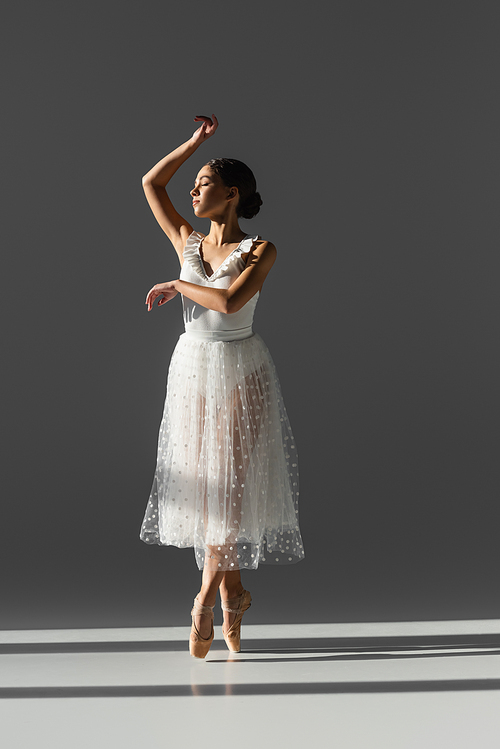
pixel 154 182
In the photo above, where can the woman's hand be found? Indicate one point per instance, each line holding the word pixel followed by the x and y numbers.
pixel 166 291
pixel 206 129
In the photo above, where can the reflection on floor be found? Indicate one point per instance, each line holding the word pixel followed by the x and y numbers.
pixel 410 685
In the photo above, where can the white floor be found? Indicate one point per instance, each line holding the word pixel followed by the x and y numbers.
pixel 392 685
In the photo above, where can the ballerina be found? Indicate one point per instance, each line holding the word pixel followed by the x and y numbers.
pixel 226 479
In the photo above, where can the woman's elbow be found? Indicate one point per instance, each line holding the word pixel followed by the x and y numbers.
pixel 148 181
pixel 231 306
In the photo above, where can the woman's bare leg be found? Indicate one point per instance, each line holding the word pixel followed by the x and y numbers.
pixel 230 587
pixel 246 420
pixel 243 440
pixel 210 582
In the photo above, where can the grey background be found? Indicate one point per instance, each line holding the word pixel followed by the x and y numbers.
pixel 372 128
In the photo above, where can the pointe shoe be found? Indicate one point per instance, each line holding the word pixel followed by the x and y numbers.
pixel 198 645
pixel 236 606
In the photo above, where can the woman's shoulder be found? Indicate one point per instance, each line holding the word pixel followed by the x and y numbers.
pixel 262 246
pixel 257 241
pixel 254 246
pixel 260 251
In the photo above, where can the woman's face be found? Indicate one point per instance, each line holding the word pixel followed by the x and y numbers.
pixel 211 197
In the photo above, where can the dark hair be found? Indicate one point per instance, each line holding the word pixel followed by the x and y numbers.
pixel 235 173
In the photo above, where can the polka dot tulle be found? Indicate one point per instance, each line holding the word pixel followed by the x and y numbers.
pixel 226 480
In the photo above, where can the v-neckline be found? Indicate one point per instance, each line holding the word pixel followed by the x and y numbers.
pixel 202 262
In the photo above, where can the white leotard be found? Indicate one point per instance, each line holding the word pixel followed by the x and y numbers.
pixel 206 323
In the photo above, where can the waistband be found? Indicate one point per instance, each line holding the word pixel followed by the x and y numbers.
pixel 220 335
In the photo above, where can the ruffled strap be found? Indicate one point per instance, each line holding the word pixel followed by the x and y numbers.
pixel 244 247
pixel 191 253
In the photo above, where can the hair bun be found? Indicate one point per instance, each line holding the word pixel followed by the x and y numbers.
pixel 251 206
pixel 235 173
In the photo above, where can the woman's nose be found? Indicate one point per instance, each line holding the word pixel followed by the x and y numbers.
pixel 193 192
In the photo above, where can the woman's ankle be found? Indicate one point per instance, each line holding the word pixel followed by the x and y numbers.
pixel 227 594
pixel 206 598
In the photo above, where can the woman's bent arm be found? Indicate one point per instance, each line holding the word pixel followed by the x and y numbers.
pixel 154 182
pixel 228 301
pixel 248 283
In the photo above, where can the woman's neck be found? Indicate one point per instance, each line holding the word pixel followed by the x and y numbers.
pixel 222 232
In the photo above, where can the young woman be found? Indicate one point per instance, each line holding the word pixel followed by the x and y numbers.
pixel 226 479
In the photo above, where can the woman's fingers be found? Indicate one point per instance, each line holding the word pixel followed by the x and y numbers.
pixel 206 122
pixel 164 290
pixel 209 124
pixel 151 296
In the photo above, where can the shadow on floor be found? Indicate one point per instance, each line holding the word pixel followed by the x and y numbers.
pixel 270 647
pixel 240 690
pixel 335 655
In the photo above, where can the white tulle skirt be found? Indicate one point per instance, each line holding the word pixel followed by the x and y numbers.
pixel 226 480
